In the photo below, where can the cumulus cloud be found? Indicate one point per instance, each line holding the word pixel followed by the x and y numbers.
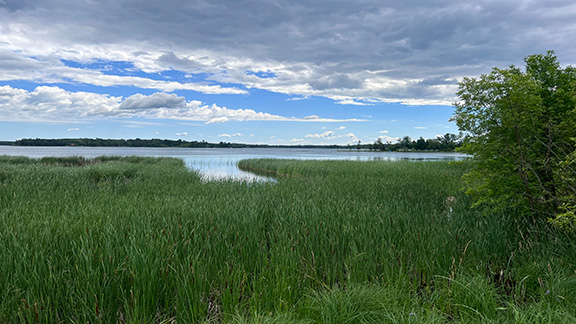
pixel 53 103
pixel 230 135
pixel 387 138
pixel 182 134
pixel 156 100
pixel 384 132
pixel 327 134
pixel 352 137
pixel 331 135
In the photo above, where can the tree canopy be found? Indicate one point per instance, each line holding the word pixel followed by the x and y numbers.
pixel 447 143
pixel 520 127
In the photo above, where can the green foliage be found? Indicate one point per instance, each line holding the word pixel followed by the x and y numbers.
pixel 566 173
pixel 518 126
pixel 448 143
pixel 144 240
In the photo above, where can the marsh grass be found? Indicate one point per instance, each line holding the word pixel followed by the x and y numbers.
pixel 144 240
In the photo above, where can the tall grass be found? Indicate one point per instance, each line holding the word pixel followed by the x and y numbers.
pixel 144 240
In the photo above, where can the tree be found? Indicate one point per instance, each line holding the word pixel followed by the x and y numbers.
pixel 449 141
pixel 421 144
pixel 519 127
pixel 405 143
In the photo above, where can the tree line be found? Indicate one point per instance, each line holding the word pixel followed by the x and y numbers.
pixel 138 142
pixel 447 143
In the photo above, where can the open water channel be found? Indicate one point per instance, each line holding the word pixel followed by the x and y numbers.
pixel 221 163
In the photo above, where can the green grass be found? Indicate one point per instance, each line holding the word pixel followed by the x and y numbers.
pixel 144 240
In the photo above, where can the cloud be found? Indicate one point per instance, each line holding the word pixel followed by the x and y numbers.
pixel 341 128
pixel 352 102
pixel 43 69
pixel 387 138
pixel 330 135
pixel 384 132
pixel 327 134
pixel 53 103
pixel 230 135
pixel 156 100
pixel 351 52
pixel 352 137
pixel 420 127
pixel 73 129
pixel 182 134
pixel 296 140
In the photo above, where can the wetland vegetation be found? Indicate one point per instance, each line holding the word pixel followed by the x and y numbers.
pixel 145 240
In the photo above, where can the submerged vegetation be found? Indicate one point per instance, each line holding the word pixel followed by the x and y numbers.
pixel 144 240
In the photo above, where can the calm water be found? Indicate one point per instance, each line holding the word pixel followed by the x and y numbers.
pixel 217 163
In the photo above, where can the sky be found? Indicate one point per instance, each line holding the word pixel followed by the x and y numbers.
pixel 259 71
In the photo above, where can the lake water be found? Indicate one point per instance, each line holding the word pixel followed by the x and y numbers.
pixel 221 163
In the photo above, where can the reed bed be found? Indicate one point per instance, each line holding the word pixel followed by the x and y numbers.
pixel 144 240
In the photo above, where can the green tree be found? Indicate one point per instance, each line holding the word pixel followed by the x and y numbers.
pixel 405 143
pixel 519 126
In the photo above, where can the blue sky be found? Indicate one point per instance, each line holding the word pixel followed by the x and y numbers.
pixel 273 72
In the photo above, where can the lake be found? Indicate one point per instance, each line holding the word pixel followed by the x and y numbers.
pixel 221 163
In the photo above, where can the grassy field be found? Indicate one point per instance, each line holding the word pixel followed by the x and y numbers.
pixel 144 240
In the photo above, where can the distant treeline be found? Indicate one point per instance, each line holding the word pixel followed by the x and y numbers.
pixel 143 143
pixel 446 142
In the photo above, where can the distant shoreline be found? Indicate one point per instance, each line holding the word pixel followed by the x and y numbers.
pixel 137 142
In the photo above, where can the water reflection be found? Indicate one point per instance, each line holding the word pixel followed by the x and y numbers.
pixel 223 169
pixel 221 164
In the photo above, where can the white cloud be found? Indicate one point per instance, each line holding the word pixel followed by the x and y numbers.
pixel 53 103
pixel 230 135
pixel 296 140
pixel 327 134
pixel 154 101
pixel 387 138
pixel 39 68
pixel 352 102
pixel 420 127
pixel 352 137
pixel 73 129
pixel 341 128
pixel 218 120
pixel 182 134
pixel 384 132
